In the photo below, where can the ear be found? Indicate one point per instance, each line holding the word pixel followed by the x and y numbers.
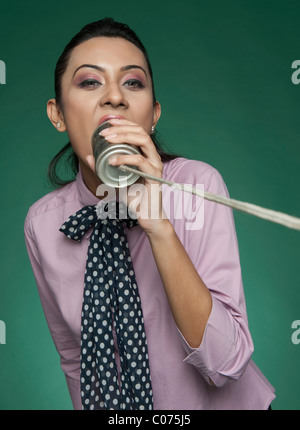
pixel 55 115
pixel 156 113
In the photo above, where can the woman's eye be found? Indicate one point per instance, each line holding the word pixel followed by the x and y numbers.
pixel 89 83
pixel 134 83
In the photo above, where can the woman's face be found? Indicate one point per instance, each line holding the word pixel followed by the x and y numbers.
pixel 104 76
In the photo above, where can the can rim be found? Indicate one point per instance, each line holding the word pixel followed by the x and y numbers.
pixel 111 175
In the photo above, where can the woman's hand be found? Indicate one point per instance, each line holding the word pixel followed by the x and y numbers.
pixel 144 197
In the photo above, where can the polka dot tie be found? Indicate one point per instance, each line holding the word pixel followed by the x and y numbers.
pixel 111 305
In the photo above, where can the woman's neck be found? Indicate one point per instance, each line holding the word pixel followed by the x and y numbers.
pixel 90 179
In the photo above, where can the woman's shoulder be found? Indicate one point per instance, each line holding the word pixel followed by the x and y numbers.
pixel 53 200
pixel 189 171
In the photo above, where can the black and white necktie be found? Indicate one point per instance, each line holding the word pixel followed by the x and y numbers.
pixel 111 303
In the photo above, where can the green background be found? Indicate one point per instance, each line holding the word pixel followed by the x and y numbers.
pixel 222 72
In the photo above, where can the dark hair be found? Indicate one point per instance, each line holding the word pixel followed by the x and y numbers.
pixel 106 27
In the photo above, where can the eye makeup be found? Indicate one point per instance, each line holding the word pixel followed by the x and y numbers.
pixel 86 79
pixel 134 81
pixel 89 83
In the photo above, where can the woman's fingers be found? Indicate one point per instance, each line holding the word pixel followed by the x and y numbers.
pixel 144 142
pixel 138 161
pixel 123 131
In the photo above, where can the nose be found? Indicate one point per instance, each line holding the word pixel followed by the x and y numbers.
pixel 113 95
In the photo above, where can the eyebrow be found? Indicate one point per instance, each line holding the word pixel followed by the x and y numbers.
pixel 101 69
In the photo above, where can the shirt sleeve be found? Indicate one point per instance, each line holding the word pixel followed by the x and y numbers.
pixel 65 343
pixel 226 346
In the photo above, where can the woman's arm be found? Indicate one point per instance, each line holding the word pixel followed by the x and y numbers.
pixel 189 298
pixel 63 338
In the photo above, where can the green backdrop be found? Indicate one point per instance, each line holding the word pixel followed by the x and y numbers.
pixel 223 73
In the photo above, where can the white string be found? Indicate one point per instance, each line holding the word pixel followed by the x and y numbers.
pixel 267 214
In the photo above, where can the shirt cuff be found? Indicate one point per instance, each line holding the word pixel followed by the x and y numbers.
pixel 219 348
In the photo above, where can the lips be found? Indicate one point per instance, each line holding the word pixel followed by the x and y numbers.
pixel 110 116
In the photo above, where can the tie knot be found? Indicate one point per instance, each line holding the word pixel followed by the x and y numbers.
pixel 78 224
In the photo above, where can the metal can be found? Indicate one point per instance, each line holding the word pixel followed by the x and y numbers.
pixel 103 151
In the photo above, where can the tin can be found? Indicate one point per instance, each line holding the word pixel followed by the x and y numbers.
pixel 103 151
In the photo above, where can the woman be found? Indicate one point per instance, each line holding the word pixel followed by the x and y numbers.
pixel 188 344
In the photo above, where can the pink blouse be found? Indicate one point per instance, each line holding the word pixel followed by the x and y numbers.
pixel 219 374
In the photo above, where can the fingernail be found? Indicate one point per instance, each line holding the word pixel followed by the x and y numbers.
pixel 104 132
pixel 111 136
